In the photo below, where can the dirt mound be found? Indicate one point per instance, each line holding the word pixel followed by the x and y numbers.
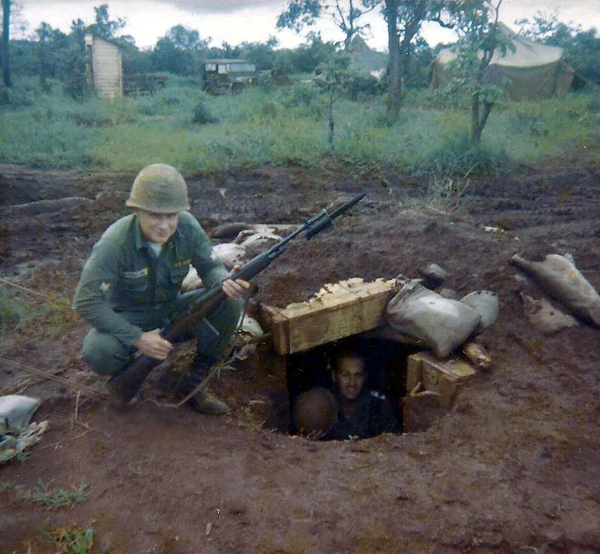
pixel 515 466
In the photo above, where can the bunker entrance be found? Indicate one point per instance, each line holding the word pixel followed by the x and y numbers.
pixel 384 369
pixel 308 340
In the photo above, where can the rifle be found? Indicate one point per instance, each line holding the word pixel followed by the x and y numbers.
pixel 125 385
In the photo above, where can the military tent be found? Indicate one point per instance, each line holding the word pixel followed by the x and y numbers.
pixel 365 59
pixel 531 71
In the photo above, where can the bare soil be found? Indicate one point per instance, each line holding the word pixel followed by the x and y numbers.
pixel 513 467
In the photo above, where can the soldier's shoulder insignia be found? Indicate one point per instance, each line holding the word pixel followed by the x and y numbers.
pixel 104 287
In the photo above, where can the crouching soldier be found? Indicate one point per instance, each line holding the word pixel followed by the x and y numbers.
pixel 130 286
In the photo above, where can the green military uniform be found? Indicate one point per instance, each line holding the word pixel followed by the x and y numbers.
pixel 372 416
pixel 126 289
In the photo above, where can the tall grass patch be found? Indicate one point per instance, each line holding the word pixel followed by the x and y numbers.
pixel 531 131
pixel 194 131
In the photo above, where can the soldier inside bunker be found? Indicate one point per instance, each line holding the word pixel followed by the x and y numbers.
pixel 349 410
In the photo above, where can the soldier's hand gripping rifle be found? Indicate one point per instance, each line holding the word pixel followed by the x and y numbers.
pixel 125 385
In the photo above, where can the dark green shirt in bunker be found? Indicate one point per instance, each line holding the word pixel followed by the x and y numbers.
pixel 126 288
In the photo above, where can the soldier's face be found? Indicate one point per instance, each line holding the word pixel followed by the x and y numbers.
pixel 350 377
pixel 157 227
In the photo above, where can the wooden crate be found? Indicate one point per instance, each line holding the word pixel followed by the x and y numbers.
pixel 440 376
pixel 346 309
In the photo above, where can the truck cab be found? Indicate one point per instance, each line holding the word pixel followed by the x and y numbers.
pixel 220 76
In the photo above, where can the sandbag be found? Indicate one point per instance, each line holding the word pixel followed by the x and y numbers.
pixel 230 254
pixel 559 277
pixel 442 323
pixel 544 316
pixel 487 305
pixel 250 329
pixel 16 412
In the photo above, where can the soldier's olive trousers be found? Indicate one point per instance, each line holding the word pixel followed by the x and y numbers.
pixel 105 354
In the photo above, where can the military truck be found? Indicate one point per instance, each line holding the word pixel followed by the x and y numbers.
pixel 143 83
pixel 220 76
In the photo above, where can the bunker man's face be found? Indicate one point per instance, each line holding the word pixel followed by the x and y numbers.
pixel 350 377
pixel 157 227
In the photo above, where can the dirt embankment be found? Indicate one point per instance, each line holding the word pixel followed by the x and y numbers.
pixel 514 467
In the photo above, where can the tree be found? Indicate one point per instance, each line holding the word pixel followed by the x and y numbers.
pixel 404 19
pixel 51 45
pixel 73 67
pixel 6 4
pixel 479 38
pixel 307 57
pixel 334 78
pixel 261 54
pixel 43 33
pixel 179 51
pixel 104 26
pixel 345 15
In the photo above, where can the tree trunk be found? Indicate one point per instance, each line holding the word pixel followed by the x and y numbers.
pixel 43 64
pixel 394 87
pixel 6 42
pixel 475 127
pixel 331 123
pixel 478 118
pixel 413 24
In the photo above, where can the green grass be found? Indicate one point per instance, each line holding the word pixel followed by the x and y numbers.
pixel 57 497
pixel 6 485
pixel 286 127
pixel 73 540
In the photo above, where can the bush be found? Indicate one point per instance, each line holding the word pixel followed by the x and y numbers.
pixel 363 86
pixel 202 115
pixel 301 94
pixel 13 308
pixel 269 109
pixel 23 94
pixel 458 157
pixel 527 122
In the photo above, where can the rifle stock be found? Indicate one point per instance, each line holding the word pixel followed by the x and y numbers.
pixel 125 385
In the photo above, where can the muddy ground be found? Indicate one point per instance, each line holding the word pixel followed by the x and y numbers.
pixel 513 467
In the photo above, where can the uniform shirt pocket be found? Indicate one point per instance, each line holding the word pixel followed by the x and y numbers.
pixel 135 286
pixel 177 275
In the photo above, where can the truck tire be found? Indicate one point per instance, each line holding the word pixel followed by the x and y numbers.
pixel 237 88
pixel 212 88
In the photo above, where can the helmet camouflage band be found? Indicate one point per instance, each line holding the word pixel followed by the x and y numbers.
pixel 159 188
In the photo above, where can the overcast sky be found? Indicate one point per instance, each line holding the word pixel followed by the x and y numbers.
pixel 236 21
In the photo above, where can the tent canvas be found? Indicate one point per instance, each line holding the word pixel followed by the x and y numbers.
pixel 532 71
pixel 363 58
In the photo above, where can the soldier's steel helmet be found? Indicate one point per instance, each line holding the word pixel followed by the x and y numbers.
pixel 159 188
pixel 315 410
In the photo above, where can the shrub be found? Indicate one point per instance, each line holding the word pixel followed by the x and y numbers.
pixel 269 109
pixel 593 104
pixel 13 308
pixel 201 114
pixel 528 122
pixel 362 85
pixel 22 94
pixel 458 157
pixel 301 94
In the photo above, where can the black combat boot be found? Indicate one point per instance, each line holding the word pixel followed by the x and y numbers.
pixel 203 402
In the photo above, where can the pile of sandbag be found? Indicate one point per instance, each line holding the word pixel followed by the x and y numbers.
pixel 235 253
pixel 443 324
pixel 562 281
